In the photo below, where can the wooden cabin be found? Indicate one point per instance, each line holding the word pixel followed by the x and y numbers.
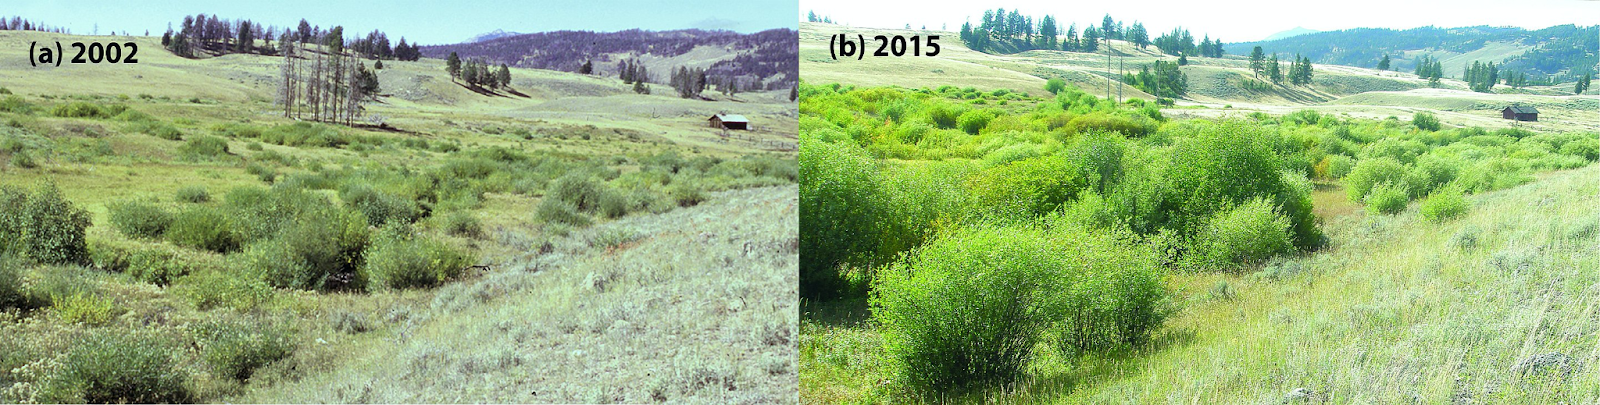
pixel 1520 113
pixel 729 121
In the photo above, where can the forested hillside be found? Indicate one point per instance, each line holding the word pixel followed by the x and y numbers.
pixel 1558 53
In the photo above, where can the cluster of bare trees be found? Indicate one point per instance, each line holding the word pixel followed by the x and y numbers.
pixel 19 24
pixel 218 35
pixel 324 86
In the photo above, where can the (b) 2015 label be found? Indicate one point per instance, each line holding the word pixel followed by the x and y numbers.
pixel 841 45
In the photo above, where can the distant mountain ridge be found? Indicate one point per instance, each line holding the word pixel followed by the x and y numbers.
pixel 491 35
pixel 1556 53
pixel 1292 32
pixel 767 59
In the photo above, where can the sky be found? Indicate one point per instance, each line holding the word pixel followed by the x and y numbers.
pixel 1230 20
pixel 428 22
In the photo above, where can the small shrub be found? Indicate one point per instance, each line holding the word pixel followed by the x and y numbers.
pixel 112 367
pixel 1055 85
pixel 11 294
pixel 1387 198
pixel 1369 173
pixel 399 258
pixel 1444 204
pixel 265 174
pixel 202 227
pixel 975 121
pixel 579 188
pixel 84 109
pixel 193 194
pixel 461 223
pixel 612 238
pixel 210 289
pixel 203 148
pixel 378 206
pixel 1466 238
pixel 555 211
pixel 42 226
pixel 14 104
pixel 82 307
pixel 23 160
pixel 1425 121
pixel 612 204
pixel 236 350
pixel 686 194
pixel 1249 233
pixel 320 250
pixel 140 219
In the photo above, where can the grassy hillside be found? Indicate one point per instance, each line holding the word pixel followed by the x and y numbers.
pixel 225 253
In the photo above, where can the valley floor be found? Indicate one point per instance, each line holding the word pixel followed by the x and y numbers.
pixel 1499 306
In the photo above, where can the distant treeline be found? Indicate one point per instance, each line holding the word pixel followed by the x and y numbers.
pixel 1006 32
pixel 1560 53
pixel 19 24
pixel 220 36
pixel 772 63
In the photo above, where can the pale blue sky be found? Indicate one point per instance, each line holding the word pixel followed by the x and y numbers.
pixel 1232 20
pixel 430 22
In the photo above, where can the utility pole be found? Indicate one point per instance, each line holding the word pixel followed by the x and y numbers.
pixel 1122 71
pixel 1108 67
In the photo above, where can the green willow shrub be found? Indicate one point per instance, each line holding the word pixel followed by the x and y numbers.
pixel 42 226
pixel 555 211
pixel 1444 204
pixel 1117 295
pixel 193 194
pixel 378 206
pixel 109 367
pixel 921 200
pixel 400 259
pixel 840 208
pixel 203 148
pixel 1425 121
pixel 973 122
pixel 1097 158
pixel 1025 189
pixel 140 219
pixel 203 227
pixel 152 263
pixel 1247 234
pixel 578 188
pixel 1369 173
pixel 11 294
pixel 235 350
pixel 1221 166
pixel 1134 126
pixel 1387 198
pixel 317 252
pixel 217 288
pixel 968 307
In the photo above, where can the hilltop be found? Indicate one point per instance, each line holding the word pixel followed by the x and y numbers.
pixel 1560 53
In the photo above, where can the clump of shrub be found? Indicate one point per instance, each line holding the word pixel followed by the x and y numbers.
pixel 235 350
pixel 16 105
pixel 11 293
pixel 399 258
pixel 140 219
pixel 976 120
pixel 319 250
pixel 461 223
pixel 1425 121
pixel 1249 233
pixel 1369 173
pixel 219 288
pixel 1388 199
pixel 152 263
pixel 82 307
pixel 23 160
pixel 42 226
pixel 193 194
pixel 202 148
pixel 686 194
pixel 1444 204
pixel 110 367
pixel 1104 122
pixel 840 203
pixel 84 109
pixel 555 211
pixel 1024 189
pixel 378 206
pixel 203 227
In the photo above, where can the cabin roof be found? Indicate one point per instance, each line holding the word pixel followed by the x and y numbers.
pixel 731 118
pixel 1517 109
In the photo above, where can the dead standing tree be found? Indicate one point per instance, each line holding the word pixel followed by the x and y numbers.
pixel 322 85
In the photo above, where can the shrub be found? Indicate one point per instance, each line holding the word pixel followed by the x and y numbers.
pixel 202 148
pixel 151 263
pixel 210 289
pixel 976 120
pixel 109 367
pixel 840 204
pixel 401 259
pixel 1444 204
pixel 579 188
pixel 1387 198
pixel 1425 121
pixel 11 294
pixel 320 250
pixel 554 211
pixel 612 204
pixel 1024 189
pixel 202 227
pixel 193 194
pixel 1055 85
pixel 82 307
pixel 235 350
pixel 14 104
pixel 42 226
pixel 139 219
pixel 686 194
pixel 968 307
pixel 23 160
pixel 1334 167
pixel 1114 294
pixel 378 206
pixel 1227 165
pixel 84 109
pixel 1368 173
pixel 461 223
pixel 1249 233
pixel 1105 122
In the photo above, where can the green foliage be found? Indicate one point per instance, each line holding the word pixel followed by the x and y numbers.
pixel 1425 121
pixel 113 367
pixel 1369 173
pixel 320 250
pixel 840 205
pixel 1247 234
pixel 1116 296
pixel 193 194
pixel 11 293
pixel 555 211
pixel 203 148
pixel 203 227
pixel 82 307
pixel 139 219
pixel 152 263
pixel 236 349
pixel 15 105
pixel 1055 85
pixel 1025 189
pixel 1387 198
pixel 84 109
pixel 579 188
pixel 379 207
pixel 1101 121
pixel 23 160
pixel 976 120
pixel 686 194
pixel 461 223
pixel 399 259
pixel 221 288
pixel 42 226
pixel 968 307
pixel 1444 204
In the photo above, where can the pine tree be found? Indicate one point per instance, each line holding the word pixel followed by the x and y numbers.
pixel 504 76
pixel 1384 64
pixel 1258 61
pixel 794 93
pixel 1138 35
pixel 586 68
pixel 1274 70
pixel 453 65
pixel 640 88
pixel 166 39
pixel 334 40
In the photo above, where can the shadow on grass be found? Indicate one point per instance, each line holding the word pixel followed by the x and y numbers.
pixel 843 312
pixel 1054 375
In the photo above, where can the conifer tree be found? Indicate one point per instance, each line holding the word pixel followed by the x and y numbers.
pixel 452 64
